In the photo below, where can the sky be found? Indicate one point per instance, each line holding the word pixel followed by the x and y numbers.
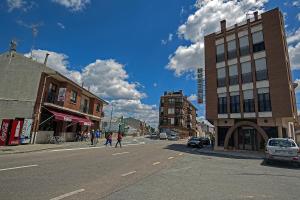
pixel 130 52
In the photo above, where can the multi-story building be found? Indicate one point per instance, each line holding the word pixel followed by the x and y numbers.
pixel 55 104
pixel 177 114
pixel 249 90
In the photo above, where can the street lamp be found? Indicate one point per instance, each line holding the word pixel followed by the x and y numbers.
pixel 38 114
pixel 112 109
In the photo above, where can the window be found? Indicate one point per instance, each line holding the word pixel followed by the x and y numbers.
pixel 244 45
pixel 171 100
pixel 231 53
pixel 98 107
pixel 264 102
pixel 52 93
pixel 73 96
pixel 261 69
pixel 220 57
pixel 171 111
pixel 258 41
pixel 246 72
pixel 234 103
pixel 222 103
pixel 248 101
pixel 171 121
pixel 221 77
pixel 233 75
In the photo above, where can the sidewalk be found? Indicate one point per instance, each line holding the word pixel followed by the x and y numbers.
pixel 237 154
pixel 4 150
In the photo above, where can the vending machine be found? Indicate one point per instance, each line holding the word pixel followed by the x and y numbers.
pixel 4 131
pixel 15 132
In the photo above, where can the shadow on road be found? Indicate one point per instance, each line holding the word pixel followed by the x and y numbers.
pixel 278 164
pixel 207 151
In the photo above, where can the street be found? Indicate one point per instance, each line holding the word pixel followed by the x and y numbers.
pixel 147 169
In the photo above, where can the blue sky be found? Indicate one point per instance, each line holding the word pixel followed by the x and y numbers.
pixel 141 47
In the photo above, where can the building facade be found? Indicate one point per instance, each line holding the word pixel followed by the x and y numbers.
pixel 55 104
pixel 250 95
pixel 177 114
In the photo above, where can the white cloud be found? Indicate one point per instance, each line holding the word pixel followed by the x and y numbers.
pixel 108 79
pixel 206 20
pixel 170 38
pixel 61 25
pixel 154 84
pixel 298 16
pixel 73 5
pixel 192 97
pixel 19 5
pixel 294 49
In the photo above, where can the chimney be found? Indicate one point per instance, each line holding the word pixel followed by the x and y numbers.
pixel 13 46
pixel 255 15
pixel 165 93
pixel 46 58
pixel 223 25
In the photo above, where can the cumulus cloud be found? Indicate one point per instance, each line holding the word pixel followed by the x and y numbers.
pixel 73 5
pixel 294 49
pixel 206 20
pixel 108 79
pixel 19 5
pixel 61 25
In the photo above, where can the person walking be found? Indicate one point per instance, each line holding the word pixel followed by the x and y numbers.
pixel 109 139
pixel 97 136
pixel 119 140
pixel 92 134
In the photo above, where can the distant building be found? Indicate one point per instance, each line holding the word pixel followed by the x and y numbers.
pixel 250 95
pixel 205 129
pixel 177 114
pixel 56 105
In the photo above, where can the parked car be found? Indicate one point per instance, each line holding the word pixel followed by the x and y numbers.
pixel 205 140
pixel 282 149
pixel 153 135
pixel 195 142
pixel 173 136
pixel 163 136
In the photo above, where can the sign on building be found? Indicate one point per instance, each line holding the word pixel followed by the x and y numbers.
pixel 61 94
pixel 25 135
pixel 200 85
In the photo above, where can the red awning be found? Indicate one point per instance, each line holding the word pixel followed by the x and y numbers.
pixel 71 118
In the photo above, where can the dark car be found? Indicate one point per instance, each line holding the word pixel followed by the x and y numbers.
pixel 205 141
pixel 195 142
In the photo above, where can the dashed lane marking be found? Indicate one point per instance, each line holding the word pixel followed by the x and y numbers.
pixel 115 154
pixel 156 163
pixel 67 194
pixel 19 167
pixel 180 154
pixel 75 149
pixel 129 173
pixel 170 158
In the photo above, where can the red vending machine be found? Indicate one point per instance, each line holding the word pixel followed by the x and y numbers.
pixel 4 131
pixel 15 132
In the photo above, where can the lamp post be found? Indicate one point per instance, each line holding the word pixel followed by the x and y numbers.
pixel 112 109
pixel 38 114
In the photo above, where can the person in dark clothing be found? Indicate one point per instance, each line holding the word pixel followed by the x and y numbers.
pixel 109 139
pixel 119 140
pixel 92 137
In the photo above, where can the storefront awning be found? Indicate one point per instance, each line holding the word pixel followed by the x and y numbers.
pixel 71 118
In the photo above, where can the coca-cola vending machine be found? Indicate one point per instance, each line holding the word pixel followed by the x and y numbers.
pixel 15 132
pixel 4 131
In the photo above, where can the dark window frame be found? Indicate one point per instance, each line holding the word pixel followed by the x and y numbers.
pixel 247 77
pixel 73 98
pixel 222 105
pixel 249 105
pixel 264 102
pixel 235 104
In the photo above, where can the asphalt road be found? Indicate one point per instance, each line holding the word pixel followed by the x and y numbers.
pixel 143 170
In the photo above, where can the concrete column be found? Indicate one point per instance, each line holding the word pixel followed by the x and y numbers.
pixel 216 138
pixel 236 139
pixel 279 130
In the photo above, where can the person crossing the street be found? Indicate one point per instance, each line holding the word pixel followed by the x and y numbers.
pixel 119 140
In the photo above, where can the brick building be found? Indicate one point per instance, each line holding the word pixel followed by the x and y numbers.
pixel 249 90
pixel 177 114
pixel 56 105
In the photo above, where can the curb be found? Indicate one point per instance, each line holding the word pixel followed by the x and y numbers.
pixel 229 155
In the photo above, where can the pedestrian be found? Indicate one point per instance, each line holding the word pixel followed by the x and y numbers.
pixel 92 135
pixel 97 136
pixel 212 142
pixel 119 140
pixel 109 139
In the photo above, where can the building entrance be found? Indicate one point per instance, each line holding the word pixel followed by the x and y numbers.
pixel 247 139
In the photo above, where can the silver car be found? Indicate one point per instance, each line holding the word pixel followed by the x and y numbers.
pixel 282 149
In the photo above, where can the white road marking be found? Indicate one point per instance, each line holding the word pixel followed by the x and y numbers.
pixel 19 167
pixel 180 154
pixel 67 194
pixel 156 163
pixel 120 153
pixel 142 143
pixel 170 158
pixel 132 144
pixel 75 149
pixel 128 173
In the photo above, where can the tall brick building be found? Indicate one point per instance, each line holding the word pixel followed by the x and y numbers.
pixel 249 90
pixel 177 114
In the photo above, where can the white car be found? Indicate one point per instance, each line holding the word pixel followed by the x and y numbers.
pixel 282 149
pixel 163 136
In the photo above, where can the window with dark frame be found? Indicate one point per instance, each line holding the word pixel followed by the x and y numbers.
pixel 264 101
pixel 98 107
pixel 248 101
pixel 258 41
pixel 222 105
pixel 220 55
pixel 51 97
pixel 221 77
pixel 235 104
pixel 246 72
pixel 73 98
pixel 244 45
pixel 233 75
pixel 261 69
pixel 231 52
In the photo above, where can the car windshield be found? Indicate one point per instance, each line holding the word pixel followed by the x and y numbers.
pixel 282 143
